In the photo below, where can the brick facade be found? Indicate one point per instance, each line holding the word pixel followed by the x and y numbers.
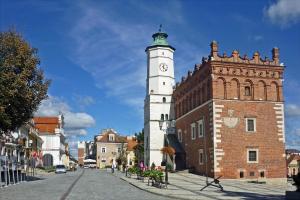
pixel 81 156
pixel 240 103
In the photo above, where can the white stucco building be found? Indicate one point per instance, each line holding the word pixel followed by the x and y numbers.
pixel 52 133
pixel 158 105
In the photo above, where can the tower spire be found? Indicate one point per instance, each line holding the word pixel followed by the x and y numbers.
pixel 160 27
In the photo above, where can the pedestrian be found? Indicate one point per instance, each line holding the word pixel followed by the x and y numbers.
pixel 142 166
pixel 124 166
pixel 113 165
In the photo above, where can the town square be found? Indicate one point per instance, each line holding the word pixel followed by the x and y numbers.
pixel 168 99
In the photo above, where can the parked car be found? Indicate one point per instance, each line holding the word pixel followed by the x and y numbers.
pixel 60 169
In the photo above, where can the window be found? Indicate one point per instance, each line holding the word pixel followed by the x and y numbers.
pixel 252 173
pixel 167 117
pixel 119 149
pixel 164 99
pixel 179 135
pixel 111 137
pixel 103 159
pixel 201 158
pixel 201 127
pixel 193 131
pixel 164 83
pixel 252 156
pixel 103 149
pixel 250 124
pixel 162 117
pixel 247 91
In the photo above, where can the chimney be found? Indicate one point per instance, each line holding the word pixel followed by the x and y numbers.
pixel 214 49
pixel 275 55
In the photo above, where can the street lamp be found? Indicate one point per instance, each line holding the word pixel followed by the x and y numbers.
pixel 169 124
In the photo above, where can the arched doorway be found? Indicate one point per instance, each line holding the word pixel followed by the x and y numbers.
pixel 48 160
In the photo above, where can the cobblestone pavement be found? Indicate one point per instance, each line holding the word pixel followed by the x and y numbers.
pixel 82 184
pixel 187 186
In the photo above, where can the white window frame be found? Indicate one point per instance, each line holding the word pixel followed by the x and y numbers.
pixel 111 137
pixel 254 124
pixel 193 131
pixel 104 149
pixel 201 122
pixel 257 155
pixel 201 152
pixel 179 135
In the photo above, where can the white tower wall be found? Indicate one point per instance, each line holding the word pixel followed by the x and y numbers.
pixel 158 100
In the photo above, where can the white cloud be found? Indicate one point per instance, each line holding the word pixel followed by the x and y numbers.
pixel 284 12
pixel 78 120
pixel 83 101
pixel 292 110
pixel 75 122
pixel 77 132
pixel 111 52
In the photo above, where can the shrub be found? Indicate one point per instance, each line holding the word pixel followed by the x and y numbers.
pixel 134 170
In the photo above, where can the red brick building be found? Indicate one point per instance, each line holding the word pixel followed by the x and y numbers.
pixel 230 109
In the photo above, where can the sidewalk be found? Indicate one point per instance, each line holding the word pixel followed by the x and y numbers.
pixel 187 186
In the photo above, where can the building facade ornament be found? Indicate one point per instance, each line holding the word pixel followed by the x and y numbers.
pixel 231 121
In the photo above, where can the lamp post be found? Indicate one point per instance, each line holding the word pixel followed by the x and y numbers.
pixel 161 124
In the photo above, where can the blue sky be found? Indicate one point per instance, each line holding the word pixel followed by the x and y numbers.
pixel 94 51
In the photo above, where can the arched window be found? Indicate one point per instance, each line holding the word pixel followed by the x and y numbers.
pixel 164 99
pixel 247 91
pixel 162 117
pixel 167 117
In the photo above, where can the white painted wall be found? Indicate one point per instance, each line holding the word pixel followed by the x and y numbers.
pixel 154 106
pixel 56 156
pixel 53 145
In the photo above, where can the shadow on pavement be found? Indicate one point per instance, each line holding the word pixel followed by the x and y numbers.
pixel 33 178
pixel 251 196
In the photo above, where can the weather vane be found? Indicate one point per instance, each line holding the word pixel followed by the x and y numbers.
pixel 160 26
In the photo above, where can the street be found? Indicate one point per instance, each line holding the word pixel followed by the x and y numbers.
pixel 82 184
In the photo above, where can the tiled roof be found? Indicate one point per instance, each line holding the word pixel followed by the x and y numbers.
pixel 46 120
pixel 131 143
pixel 118 138
pixel 291 158
pixel 46 125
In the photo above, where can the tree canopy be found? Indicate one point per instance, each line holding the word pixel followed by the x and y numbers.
pixel 139 148
pixel 22 82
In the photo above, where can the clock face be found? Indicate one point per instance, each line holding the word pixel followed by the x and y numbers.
pixel 163 67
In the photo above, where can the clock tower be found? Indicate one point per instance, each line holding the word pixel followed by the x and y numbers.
pixel 158 105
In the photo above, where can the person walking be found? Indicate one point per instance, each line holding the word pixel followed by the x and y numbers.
pixel 113 165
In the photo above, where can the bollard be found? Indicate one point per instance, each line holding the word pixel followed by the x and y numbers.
pixel 17 174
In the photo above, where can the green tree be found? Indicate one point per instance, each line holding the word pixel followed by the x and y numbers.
pixel 139 148
pixel 122 155
pixel 22 82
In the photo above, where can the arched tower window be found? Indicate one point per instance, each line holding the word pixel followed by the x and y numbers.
pixel 164 99
pixel 162 117
pixel 247 91
pixel 167 117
